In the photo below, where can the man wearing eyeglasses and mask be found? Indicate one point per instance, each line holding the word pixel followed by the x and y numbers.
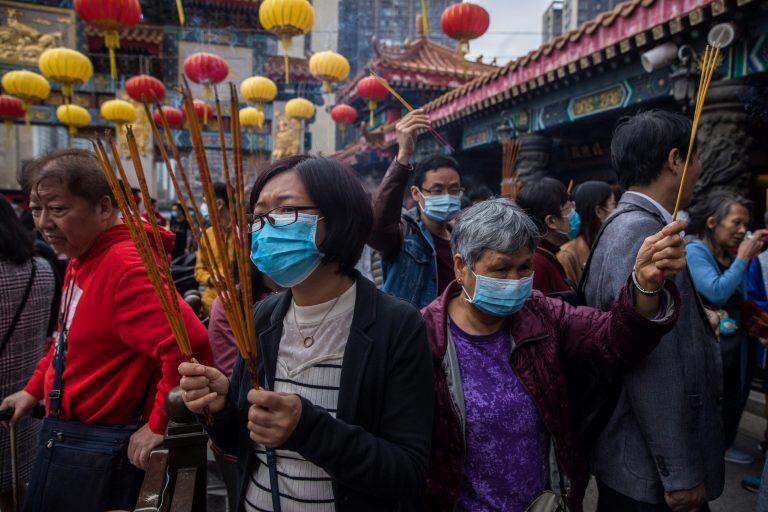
pixel 415 244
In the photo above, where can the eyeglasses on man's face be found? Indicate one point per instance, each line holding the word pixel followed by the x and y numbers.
pixel 277 217
pixel 440 191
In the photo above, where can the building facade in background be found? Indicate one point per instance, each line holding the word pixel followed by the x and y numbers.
pixel 552 21
pixel 576 12
pixel 391 21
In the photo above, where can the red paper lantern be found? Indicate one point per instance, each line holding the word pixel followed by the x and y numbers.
pixel 373 92
pixel 343 115
pixel 111 17
pixel 464 22
pixel 206 69
pixel 173 115
pixel 10 108
pixel 203 111
pixel 145 89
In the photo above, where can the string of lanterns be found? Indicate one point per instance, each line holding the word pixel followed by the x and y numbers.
pixel 286 19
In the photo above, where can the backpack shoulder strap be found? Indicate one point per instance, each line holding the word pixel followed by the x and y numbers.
pixel 584 275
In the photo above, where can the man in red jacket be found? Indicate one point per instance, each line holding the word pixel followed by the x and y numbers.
pixel 115 359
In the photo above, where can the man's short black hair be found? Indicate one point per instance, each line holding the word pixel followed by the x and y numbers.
pixel 339 194
pixel 641 144
pixel 220 191
pixel 542 197
pixel 431 163
pixel 480 193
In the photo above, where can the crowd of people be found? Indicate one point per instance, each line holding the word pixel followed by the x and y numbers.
pixel 469 353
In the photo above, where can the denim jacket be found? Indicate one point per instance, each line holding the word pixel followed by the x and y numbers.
pixel 412 274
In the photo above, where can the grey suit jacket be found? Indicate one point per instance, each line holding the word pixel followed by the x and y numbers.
pixel 666 433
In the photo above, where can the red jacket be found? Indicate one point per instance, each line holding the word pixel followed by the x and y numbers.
pixel 545 331
pixel 120 344
pixel 549 275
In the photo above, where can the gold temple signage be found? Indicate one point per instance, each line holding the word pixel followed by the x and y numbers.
pixel 607 99
pixel 27 30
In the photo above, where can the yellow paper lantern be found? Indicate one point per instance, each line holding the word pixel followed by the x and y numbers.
pixel 250 117
pixel 286 19
pixel 118 111
pixel 299 108
pixel 329 67
pixel 258 89
pixel 73 116
pixel 27 86
pixel 68 67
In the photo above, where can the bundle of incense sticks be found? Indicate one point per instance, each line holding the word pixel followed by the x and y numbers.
pixel 236 301
pixel 709 63
pixel 153 261
pixel 570 187
pixel 509 152
pixel 439 138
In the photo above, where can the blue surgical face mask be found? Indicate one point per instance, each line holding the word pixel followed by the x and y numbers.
pixel 287 254
pixel 204 210
pixel 574 221
pixel 574 225
pixel 500 297
pixel 441 208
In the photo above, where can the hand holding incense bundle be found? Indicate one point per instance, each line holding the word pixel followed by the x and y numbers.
pixel 439 138
pixel 709 63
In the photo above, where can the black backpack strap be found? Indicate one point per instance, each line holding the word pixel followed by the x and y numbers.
pixel 19 310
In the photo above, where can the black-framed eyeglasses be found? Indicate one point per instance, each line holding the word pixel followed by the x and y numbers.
pixel 277 217
pixel 440 191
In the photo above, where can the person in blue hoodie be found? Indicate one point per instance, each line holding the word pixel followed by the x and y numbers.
pixel 720 221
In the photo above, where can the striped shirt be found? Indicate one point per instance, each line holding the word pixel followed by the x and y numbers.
pixel 314 374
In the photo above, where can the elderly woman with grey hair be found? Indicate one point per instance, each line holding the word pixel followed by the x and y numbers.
pixel 502 434
pixel 719 222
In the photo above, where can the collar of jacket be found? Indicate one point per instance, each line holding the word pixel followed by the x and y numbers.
pixel 355 354
pixel 526 325
pixel 412 218
pixel 642 203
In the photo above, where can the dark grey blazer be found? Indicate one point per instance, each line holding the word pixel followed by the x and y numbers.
pixel 666 433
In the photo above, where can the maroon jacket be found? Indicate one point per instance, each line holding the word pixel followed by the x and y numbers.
pixel 548 273
pixel 545 332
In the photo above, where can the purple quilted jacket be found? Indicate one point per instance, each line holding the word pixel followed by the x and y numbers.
pixel 546 332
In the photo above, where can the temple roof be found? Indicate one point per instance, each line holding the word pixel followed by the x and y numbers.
pixel 420 63
pixel 631 24
pixel 152 34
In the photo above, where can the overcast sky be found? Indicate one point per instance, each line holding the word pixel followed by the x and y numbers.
pixel 515 29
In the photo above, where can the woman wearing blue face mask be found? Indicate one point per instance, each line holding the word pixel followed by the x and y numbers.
pixel 502 432
pixel 346 424
pixel 546 201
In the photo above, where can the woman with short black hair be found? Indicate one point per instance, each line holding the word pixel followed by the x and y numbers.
pixel 546 202
pixel 348 413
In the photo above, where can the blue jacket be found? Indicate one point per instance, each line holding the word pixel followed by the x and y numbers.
pixel 406 246
pixel 713 284
pixel 412 274
pixel 756 285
